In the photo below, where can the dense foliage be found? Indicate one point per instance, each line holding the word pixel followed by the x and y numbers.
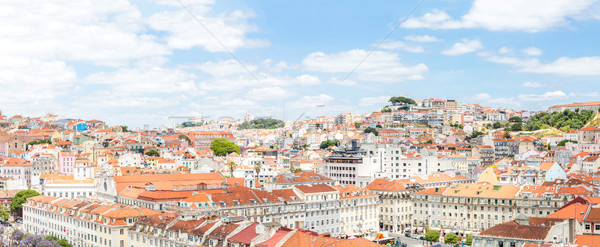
pixel 450 238
pixel 262 123
pixel 386 109
pixel 152 153
pixel 15 237
pixel 222 147
pixel 329 143
pixel 402 100
pixel 184 137
pixel 16 206
pixel 469 240
pixel 564 142
pixel 564 121
pixel 432 236
pixel 45 141
pixel 371 130
pixel 189 124
pixel 3 213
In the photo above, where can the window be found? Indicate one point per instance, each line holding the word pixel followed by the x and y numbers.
pixel 588 227
pixel 597 227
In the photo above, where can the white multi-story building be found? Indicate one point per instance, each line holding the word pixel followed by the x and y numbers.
pixel 82 223
pixel 395 205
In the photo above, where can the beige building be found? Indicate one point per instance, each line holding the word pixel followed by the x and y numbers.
pixel 476 207
pixel 395 205
pixel 82 223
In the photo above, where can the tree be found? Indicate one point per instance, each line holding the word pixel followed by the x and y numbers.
pixel 124 128
pixel 257 167
pixel 469 240
pixel 152 153
pixel 357 125
pixel 184 137
pixel 515 119
pixel 379 126
pixel 451 238
pixel 475 134
pixel 222 147
pixel 402 100
pixel 64 243
pixel 386 109
pixel 497 125
pixel 45 141
pixel 328 143
pixel 232 165
pixel 16 206
pixel 516 127
pixel 262 123
pixel 371 130
pixel 305 146
pixel 432 236
pixel 507 135
pixel 3 213
pixel 564 142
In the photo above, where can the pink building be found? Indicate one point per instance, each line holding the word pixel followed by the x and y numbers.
pixel 66 163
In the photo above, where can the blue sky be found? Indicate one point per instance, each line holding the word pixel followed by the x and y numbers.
pixel 138 62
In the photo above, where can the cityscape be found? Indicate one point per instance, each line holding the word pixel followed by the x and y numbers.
pixel 248 123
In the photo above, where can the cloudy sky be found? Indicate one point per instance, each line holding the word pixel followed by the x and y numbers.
pixel 139 62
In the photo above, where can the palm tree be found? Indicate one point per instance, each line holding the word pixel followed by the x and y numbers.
pixel 257 167
pixel 232 165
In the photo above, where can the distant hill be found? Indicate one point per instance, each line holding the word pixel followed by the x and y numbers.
pixel 262 123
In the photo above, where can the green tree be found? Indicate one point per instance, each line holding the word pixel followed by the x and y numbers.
pixel 515 119
pixel 507 135
pixel 497 125
pixel 475 134
pixel 45 141
pixel 257 167
pixel 16 206
pixel 432 236
pixel 124 128
pixel 328 143
pixel 262 123
pixel 305 146
pixel 402 100
pixel 184 137
pixel 371 130
pixel 64 243
pixel 232 165
pixel 3 213
pixel 516 127
pixel 222 147
pixel 357 125
pixel 564 142
pixel 451 238
pixel 152 153
pixel 386 109
pixel 469 240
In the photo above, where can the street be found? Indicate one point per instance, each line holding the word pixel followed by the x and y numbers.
pixel 410 242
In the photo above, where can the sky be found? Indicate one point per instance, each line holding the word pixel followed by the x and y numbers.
pixel 140 62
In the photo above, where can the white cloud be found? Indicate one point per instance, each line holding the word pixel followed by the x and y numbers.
pixel 308 80
pixel 225 68
pixel 379 67
pixel 310 102
pixel 566 66
pixel 583 66
pixel 185 32
pixel 466 46
pixel 509 15
pixel 532 51
pixel 106 33
pixel 587 94
pixel 421 38
pixel 505 50
pixel 269 93
pixel 140 81
pixel 481 96
pixel 399 45
pixel 555 95
pixel 532 84
pixel 374 101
